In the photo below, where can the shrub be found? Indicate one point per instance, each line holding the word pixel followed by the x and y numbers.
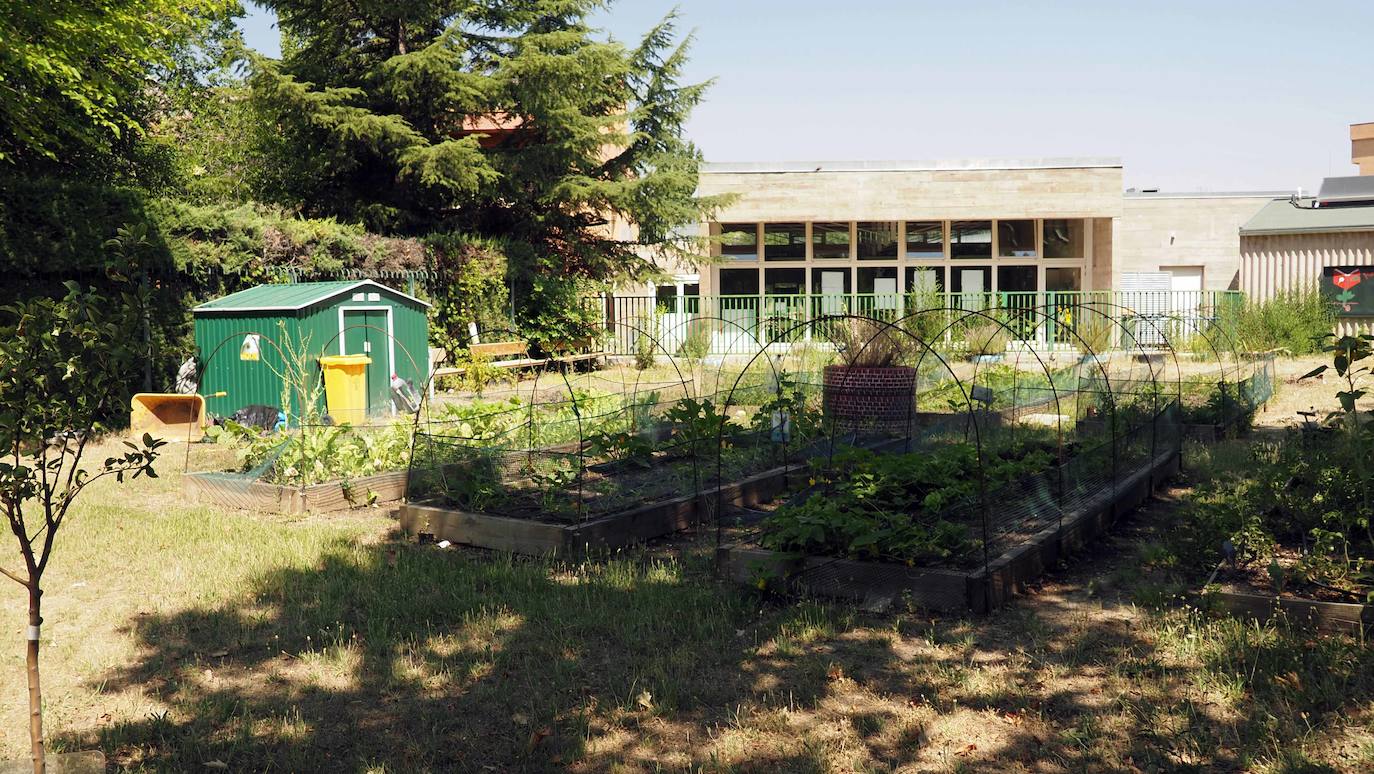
pixel 866 343
pixel 1294 320
pixel 986 338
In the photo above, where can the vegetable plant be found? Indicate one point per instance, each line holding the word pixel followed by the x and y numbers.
pixel 907 508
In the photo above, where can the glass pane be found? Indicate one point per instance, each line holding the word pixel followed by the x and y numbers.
pixel 829 290
pixel 970 279
pixel 739 241
pixel 829 281
pixel 1016 238
pixel 667 297
pixel 926 281
pixel 739 282
pixel 970 239
pixel 1016 279
pixel 878 240
pixel 830 240
pixel 784 281
pixel 691 301
pixel 1064 238
pixel 1063 279
pixel 925 239
pixel 877 287
pixel 784 241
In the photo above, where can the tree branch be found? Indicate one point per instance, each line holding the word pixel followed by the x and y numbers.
pixel 14 577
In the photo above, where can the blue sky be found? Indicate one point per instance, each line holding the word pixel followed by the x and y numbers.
pixel 1215 95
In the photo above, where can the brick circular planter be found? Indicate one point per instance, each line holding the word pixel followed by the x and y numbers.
pixel 864 395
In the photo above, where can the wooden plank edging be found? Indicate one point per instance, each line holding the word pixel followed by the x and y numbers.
pixel 277 498
pixel 1325 616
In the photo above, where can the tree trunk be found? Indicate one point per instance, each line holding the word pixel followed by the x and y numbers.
pixel 35 695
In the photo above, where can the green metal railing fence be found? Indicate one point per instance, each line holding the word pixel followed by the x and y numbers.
pixel 1043 319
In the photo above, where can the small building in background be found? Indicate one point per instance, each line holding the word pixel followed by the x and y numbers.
pixel 1327 240
pixel 244 340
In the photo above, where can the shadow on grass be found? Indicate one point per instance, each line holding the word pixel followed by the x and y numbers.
pixel 407 658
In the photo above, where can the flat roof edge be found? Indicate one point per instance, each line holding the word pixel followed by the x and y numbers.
pixel 1306 230
pixel 1210 194
pixel 976 164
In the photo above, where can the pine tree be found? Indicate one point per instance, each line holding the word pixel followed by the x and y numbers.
pixel 381 108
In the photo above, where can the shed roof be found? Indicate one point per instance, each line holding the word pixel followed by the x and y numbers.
pixel 289 298
pixel 1282 217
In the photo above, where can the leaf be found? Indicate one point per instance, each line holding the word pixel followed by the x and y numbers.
pixel 1319 370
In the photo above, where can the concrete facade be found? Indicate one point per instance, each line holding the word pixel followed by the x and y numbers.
pixel 1029 199
pixel 1164 232
pixel 839 191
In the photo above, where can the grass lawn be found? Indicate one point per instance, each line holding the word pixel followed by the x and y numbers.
pixel 179 635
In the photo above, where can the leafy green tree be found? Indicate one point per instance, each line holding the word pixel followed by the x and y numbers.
pixel 514 120
pixel 57 359
pixel 79 79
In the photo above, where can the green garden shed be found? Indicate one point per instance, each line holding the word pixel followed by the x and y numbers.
pixel 242 340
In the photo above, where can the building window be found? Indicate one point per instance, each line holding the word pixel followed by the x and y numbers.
pixel 877 241
pixel 970 280
pixel 739 282
pixel 666 296
pixel 739 241
pixel 784 282
pixel 877 286
pixel 1016 279
pixel 784 241
pixel 829 240
pixel 1063 279
pixel 1016 238
pixel 925 239
pixel 926 281
pixel 1064 238
pixel 830 289
pixel 691 298
pixel 970 239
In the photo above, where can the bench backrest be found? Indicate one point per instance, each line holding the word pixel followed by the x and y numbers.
pixel 501 349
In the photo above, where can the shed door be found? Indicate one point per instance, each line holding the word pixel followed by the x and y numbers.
pixel 365 334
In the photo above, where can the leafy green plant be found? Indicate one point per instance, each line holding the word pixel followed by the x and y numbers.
pixel 555 479
pixel 697 424
pixel 897 507
pixel 623 446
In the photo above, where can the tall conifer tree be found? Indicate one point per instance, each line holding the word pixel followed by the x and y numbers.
pixel 512 119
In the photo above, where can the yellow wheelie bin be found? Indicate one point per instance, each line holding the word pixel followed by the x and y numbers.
pixel 345 387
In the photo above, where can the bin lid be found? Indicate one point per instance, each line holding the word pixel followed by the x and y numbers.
pixel 335 361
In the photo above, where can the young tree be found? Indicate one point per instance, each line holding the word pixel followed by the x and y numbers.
pixel 56 359
pixel 511 120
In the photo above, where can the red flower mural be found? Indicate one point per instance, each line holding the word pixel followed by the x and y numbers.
pixel 1345 280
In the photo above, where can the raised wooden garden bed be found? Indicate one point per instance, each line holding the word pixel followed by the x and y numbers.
pixel 232 490
pixel 616 530
pixel 1317 614
pixel 942 589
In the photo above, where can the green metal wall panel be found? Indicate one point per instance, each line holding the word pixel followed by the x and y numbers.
pixel 218 342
